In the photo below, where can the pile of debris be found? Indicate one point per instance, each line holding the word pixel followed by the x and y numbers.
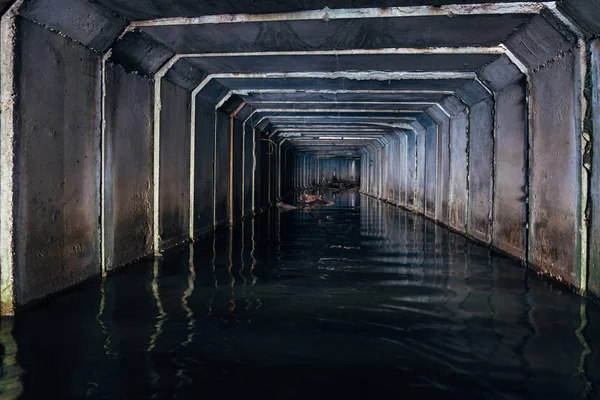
pixel 285 207
pixel 313 200
pixel 305 201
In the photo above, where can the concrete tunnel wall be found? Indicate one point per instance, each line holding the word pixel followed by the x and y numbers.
pixel 82 124
pixel 57 213
pixel 517 180
pixel 128 167
pixel 122 138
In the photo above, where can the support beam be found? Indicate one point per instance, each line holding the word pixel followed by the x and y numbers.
pixel 356 13
pixel 8 31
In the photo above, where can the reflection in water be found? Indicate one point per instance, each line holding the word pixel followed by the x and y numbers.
pixel 99 318
pixel 186 295
pixel 359 298
pixel 162 315
pixel 253 254
pixel 11 385
pixel 242 260
pixel 230 273
pixel 585 351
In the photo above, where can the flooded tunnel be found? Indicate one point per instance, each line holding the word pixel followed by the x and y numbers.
pixel 299 198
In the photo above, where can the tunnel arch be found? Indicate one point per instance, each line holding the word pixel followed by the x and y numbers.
pixel 166 120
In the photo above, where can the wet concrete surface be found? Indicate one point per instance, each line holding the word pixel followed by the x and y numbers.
pixel 57 163
pixel 359 299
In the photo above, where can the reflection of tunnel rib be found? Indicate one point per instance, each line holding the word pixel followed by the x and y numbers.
pixel 129 127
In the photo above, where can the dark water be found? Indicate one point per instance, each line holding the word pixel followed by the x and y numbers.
pixel 355 300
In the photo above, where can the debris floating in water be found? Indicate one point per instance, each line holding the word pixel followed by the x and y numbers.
pixel 309 198
pixel 305 201
pixel 285 207
pixel 313 201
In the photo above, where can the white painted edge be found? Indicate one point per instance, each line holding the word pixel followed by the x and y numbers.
pixel 400 125
pixel 352 75
pixel 326 125
pixel 400 103
pixel 253 161
pixel 309 131
pixel 156 152
pixel 194 95
pixel 327 14
pixel 465 50
pixel 485 87
pixel 232 155
pixel 103 270
pixel 566 21
pixel 156 166
pixel 372 75
pixel 584 191
pixel 333 117
pixel 340 91
pixel 516 60
pixel 223 100
pixel 443 110
pixel 214 202
pixel 192 211
pixel 216 111
pixel 333 110
pixel 7 158
pixel 325 136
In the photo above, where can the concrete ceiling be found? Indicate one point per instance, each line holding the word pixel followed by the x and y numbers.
pixel 344 62
pixel 314 83
pixel 343 34
pixel 308 67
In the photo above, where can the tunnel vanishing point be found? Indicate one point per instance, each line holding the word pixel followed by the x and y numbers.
pixel 131 126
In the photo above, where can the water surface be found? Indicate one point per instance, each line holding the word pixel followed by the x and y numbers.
pixel 360 299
